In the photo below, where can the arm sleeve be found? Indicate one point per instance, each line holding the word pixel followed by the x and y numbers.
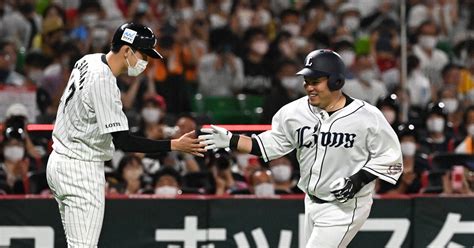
pixel 385 152
pixel 276 142
pixel 130 143
pixel 105 97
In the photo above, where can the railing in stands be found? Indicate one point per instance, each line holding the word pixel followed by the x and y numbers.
pixel 231 127
pixel 211 197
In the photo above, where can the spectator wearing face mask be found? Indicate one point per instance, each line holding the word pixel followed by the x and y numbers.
pixel 153 111
pixel 8 60
pixel 262 183
pixel 291 22
pixel 425 49
pixel 365 86
pixel 17 116
pixel 390 108
pixel 344 46
pixel 131 175
pixel 419 87
pixel 467 144
pixel 436 140
pixel 414 166
pixel 282 171
pixel 167 182
pixel 220 73
pixel 14 167
pixel 349 17
pixel 287 86
pixel 257 69
pixel 282 48
pixel 453 109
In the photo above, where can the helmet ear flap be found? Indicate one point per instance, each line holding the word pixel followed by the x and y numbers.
pixel 335 83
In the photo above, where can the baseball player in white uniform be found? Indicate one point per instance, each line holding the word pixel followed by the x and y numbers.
pixel 90 123
pixel 343 145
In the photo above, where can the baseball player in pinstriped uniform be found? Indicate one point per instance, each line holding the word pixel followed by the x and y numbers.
pixel 90 123
pixel 343 145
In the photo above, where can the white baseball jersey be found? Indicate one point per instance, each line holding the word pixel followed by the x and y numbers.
pixel 329 147
pixel 89 111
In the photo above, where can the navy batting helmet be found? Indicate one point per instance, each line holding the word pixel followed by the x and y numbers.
pixel 137 36
pixel 325 63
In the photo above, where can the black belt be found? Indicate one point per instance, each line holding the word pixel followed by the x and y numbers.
pixel 316 199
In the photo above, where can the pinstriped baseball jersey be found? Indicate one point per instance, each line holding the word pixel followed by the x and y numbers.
pixel 332 146
pixel 89 111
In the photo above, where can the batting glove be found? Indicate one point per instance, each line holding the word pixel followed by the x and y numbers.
pixel 343 189
pixel 216 137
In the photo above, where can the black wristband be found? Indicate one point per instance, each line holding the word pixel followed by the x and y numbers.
pixel 361 178
pixel 234 141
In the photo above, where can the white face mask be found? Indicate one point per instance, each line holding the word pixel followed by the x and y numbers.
pixel 470 129
pixel 351 23
pixel 90 19
pixel 264 189
pixel 217 21
pixel 260 47
pixel 451 104
pixel 281 173
pixel 265 17
pixel 139 67
pixel 166 190
pixel 291 83
pixel 186 13
pixel 292 28
pixel 408 148
pixel 390 116
pixel 13 153
pixel 36 76
pixel 245 18
pixel 347 57
pixel 367 75
pixel 427 41
pixel 151 115
pixel 226 6
pixel 132 173
pixel 435 125
pixel 243 160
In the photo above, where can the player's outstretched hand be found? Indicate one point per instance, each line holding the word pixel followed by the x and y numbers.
pixel 215 137
pixel 188 143
pixel 343 189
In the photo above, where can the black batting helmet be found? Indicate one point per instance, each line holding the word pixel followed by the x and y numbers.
pixel 325 63
pixel 137 36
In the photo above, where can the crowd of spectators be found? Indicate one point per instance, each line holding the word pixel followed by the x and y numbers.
pixel 232 47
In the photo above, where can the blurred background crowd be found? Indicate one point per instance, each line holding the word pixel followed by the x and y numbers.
pixel 234 62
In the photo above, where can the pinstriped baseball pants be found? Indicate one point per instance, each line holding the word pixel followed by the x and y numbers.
pixel 79 188
pixel 333 224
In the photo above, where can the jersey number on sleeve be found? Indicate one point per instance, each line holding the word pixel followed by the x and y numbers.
pixel 71 90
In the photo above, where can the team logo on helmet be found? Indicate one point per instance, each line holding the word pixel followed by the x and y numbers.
pixel 129 35
pixel 308 61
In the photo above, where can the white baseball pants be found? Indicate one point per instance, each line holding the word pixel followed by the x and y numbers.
pixel 79 189
pixel 334 224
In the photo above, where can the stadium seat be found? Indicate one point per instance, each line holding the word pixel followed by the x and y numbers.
pixel 243 109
